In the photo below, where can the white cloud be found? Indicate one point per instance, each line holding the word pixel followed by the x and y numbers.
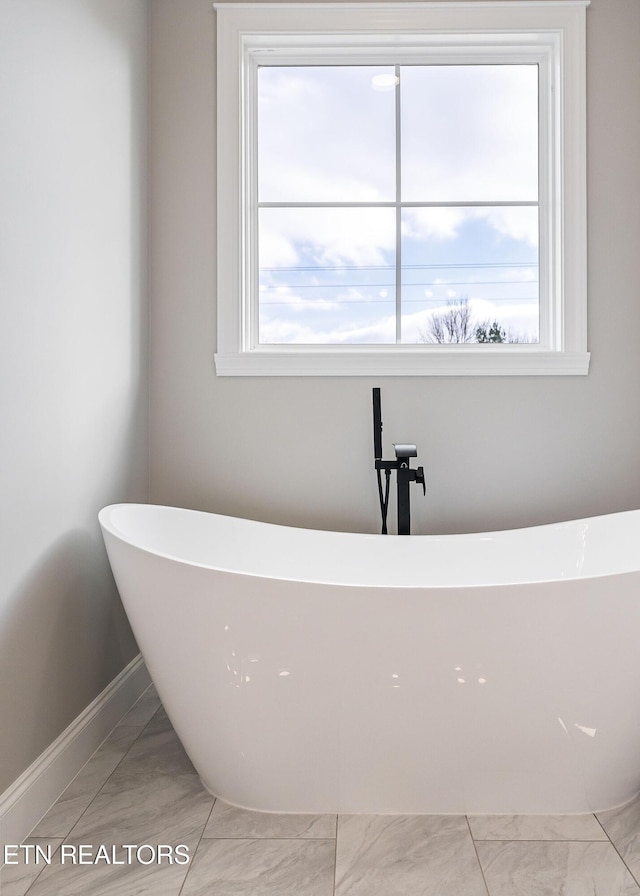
pixel 325 134
pixel 470 133
pixel 277 249
pixel 517 223
pixel 329 236
pixel 380 331
pixel 433 223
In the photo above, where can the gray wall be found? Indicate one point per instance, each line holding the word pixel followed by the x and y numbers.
pixel 73 378
pixel 498 452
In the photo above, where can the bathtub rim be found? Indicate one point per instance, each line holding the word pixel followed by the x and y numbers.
pixel 135 541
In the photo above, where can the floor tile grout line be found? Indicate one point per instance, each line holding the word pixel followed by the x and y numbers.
pixel 636 880
pixel 540 840
pixel 113 771
pixel 608 841
pixel 605 831
pixel 475 849
pixel 271 837
pixel 37 877
pixel 195 852
pixel 63 837
pixel 106 780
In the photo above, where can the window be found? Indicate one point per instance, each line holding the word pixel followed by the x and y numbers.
pixel 401 189
pixel 395 199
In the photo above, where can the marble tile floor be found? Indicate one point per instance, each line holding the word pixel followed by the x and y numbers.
pixel 140 788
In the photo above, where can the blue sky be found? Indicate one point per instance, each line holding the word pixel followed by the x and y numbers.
pixel 327 134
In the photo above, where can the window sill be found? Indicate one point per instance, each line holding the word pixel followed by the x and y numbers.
pixel 406 361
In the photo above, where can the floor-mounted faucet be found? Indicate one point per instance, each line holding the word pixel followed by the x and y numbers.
pixel 404 473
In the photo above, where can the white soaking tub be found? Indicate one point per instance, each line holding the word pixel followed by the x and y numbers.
pixel 310 671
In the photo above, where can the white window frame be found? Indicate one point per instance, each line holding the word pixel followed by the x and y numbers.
pixel 549 32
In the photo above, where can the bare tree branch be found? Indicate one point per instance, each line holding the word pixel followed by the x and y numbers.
pixel 451 326
pixel 457 325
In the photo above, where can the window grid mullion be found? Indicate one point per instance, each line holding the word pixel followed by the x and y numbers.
pixel 397 204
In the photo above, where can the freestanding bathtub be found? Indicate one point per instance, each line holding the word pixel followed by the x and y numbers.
pixel 309 671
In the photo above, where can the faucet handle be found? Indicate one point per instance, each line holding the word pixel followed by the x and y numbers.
pixel 405 450
pixel 420 479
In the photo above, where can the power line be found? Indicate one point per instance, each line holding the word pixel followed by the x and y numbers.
pixel 405 267
pixel 391 301
pixel 392 285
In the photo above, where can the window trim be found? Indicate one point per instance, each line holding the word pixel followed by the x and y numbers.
pixel 248 32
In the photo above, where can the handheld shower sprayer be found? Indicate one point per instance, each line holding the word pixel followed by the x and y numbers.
pixel 377 455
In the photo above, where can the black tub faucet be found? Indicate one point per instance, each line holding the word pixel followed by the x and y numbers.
pixel 404 472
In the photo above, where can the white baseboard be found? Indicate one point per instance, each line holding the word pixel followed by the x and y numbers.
pixel 24 803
